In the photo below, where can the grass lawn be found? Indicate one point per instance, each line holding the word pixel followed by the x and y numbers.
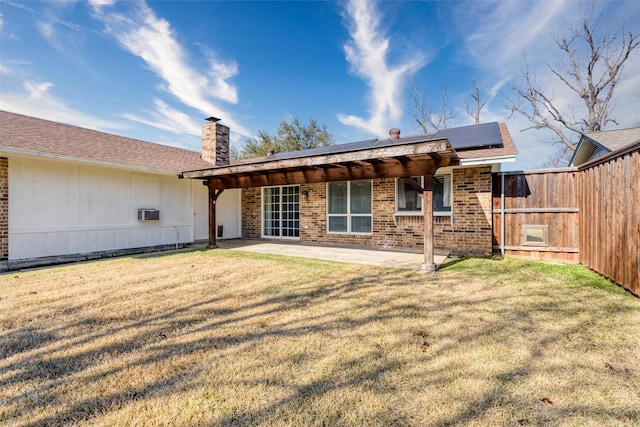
pixel 230 338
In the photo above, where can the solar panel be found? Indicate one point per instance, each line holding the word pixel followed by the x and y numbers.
pixel 475 136
pixel 463 138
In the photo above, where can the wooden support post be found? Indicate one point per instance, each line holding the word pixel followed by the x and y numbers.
pixel 429 265
pixel 213 197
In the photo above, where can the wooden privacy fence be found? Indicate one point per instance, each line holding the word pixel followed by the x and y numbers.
pixel 536 214
pixel 589 215
pixel 610 217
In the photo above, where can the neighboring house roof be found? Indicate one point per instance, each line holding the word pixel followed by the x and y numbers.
pixel 594 145
pixel 26 135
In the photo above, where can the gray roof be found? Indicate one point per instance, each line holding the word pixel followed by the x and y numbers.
pixel 615 139
pixel 594 145
pixel 486 135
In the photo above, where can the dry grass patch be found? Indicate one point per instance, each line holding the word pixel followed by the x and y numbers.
pixel 228 338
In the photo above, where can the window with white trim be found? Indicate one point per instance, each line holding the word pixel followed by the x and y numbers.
pixel 409 202
pixel 349 207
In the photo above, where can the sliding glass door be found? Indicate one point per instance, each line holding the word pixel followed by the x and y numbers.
pixel 281 212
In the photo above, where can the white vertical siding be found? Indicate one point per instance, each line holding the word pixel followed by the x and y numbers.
pixel 60 207
pixel 228 211
pixel 200 197
pixel 228 208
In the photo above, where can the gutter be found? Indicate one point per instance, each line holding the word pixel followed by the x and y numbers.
pixel 487 160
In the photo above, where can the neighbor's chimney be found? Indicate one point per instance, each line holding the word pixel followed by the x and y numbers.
pixel 394 134
pixel 215 142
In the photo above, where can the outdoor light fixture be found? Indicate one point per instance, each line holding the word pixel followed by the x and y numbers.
pixel 305 195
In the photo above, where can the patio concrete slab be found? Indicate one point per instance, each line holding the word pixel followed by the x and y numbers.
pixel 368 256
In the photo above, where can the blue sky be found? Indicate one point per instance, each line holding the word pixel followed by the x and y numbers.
pixel 155 70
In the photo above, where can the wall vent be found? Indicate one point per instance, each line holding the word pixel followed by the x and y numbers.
pixel 148 215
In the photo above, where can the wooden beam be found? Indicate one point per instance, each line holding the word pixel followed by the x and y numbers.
pixel 351 171
pixel 537 210
pixel 213 198
pixel 393 151
pixel 429 265
pixel 413 184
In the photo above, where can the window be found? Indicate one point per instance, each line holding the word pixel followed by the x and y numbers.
pixel 442 194
pixel 407 198
pixel 535 235
pixel 409 202
pixel 349 207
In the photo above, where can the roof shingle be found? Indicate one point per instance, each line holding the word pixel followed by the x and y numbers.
pixel 615 139
pixel 26 134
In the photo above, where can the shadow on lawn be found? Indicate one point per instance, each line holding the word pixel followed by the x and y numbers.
pixel 43 365
pixel 440 312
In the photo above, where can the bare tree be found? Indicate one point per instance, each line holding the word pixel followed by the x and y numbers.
pixel 428 119
pixel 592 69
pixel 478 102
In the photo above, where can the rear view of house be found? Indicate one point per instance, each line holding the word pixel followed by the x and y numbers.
pixel 417 192
pixel 69 193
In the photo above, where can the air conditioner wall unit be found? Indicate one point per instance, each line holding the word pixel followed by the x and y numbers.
pixel 148 215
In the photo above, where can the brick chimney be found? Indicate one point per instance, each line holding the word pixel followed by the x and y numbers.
pixel 215 142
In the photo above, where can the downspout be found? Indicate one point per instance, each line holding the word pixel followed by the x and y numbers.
pixel 502 227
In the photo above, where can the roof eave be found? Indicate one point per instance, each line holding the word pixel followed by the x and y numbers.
pixel 433 147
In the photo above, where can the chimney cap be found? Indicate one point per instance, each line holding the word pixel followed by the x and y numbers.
pixel 212 119
pixel 394 134
pixel 270 151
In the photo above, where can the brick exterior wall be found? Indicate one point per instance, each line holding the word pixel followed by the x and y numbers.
pixel 251 213
pixel 467 232
pixel 4 212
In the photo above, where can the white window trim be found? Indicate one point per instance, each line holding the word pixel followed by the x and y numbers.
pixel 264 236
pixel 348 214
pixel 421 211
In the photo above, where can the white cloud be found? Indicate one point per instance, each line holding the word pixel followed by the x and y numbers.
pixel 502 31
pixel 36 100
pixel 366 53
pixel 64 36
pixel 98 4
pixel 626 101
pixel 152 39
pixel 169 119
pixel 48 31
pixel 5 70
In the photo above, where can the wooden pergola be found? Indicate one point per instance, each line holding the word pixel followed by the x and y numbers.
pixel 399 160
